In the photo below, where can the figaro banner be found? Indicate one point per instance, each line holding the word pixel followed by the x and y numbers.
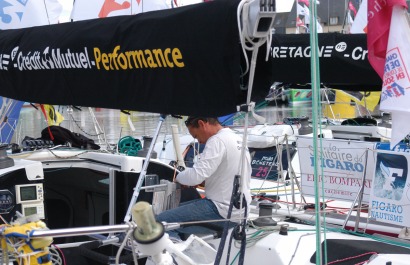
pixel 177 61
pixel 343 163
pixel 390 194
pixel 342 57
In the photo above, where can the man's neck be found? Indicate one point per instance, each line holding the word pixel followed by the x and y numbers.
pixel 215 129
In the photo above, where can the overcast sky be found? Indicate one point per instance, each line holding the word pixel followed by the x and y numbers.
pixel 284 5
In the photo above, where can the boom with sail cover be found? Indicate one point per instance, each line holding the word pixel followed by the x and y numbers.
pixel 343 60
pixel 136 62
pixel 142 63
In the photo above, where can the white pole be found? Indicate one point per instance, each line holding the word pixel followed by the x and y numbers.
pixel 177 145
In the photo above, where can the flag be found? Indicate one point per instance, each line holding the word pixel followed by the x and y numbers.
pixel 360 21
pixel 111 6
pixel 379 18
pixel 29 13
pixel 352 8
pixel 389 54
pixel 300 10
pixel 89 9
pixel 300 14
pixel 188 2
pixel 303 16
pixel 52 115
pixel 307 14
pixel 306 2
pixel 54 10
pixel 349 19
pixel 319 28
pixel 351 14
pixel 299 22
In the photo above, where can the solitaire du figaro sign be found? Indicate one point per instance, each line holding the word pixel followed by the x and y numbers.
pixel 342 163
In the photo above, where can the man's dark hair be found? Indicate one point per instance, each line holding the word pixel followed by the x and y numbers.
pixel 193 121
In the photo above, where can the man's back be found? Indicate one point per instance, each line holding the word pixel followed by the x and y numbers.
pixel 218 187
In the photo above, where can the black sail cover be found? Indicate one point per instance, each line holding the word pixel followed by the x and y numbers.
pixel 342 58
pixel 184 61
pixel 177 61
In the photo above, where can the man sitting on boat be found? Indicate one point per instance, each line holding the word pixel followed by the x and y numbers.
pixel 217 166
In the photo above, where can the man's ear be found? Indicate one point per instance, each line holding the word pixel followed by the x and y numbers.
pixel 201 123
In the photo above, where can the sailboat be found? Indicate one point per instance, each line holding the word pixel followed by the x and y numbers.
pixel 83 196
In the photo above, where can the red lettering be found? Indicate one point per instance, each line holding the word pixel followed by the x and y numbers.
pixel 400 76
pixel 388 81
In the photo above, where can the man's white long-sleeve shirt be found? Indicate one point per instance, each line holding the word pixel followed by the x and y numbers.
pixel 218 164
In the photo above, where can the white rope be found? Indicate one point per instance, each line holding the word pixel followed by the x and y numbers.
pixel 242 19
pixel 131 229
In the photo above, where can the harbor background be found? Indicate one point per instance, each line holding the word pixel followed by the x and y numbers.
pixel 115 124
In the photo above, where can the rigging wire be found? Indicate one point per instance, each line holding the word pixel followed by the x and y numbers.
pixel 45 8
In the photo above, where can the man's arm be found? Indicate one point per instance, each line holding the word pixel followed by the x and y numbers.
pixel 210 160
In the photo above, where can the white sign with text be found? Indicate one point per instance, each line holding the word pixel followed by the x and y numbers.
pixel 390 193
pixel 341 165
